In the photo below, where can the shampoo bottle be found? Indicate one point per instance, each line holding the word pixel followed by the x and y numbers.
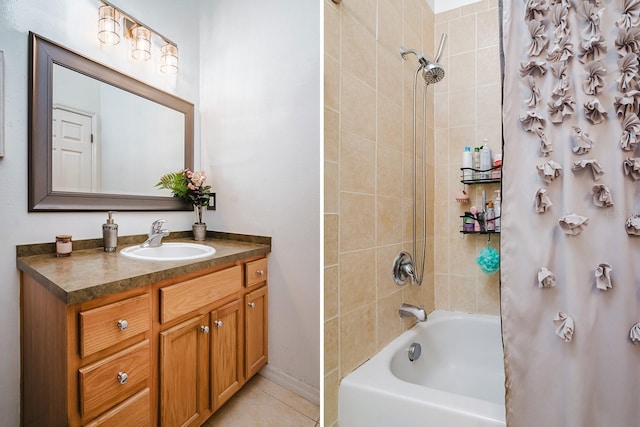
pixel 491 215
pixel 467 164
pixel 485 161
pixel 110 234
pixel 476 163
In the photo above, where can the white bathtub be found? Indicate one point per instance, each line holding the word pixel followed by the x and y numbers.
pixel 458 381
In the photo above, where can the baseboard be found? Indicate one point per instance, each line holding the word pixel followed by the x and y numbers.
pixel 291 384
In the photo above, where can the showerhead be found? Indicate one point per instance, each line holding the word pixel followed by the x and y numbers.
pixel 432 73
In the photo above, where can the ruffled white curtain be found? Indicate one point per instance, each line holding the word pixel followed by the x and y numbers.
pixel 570 247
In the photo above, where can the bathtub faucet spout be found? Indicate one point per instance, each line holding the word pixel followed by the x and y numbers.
pixel 408 310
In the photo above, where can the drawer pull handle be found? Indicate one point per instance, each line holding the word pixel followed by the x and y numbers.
pixel 218 323
pixel 204 329
pixel 122 324
pixel 122 377
pixel 251 304
pixel 260 272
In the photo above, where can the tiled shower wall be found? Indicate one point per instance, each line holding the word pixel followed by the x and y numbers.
pixel 467 111
pixel 368 176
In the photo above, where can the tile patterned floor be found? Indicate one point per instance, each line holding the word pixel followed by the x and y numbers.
pixel 263 403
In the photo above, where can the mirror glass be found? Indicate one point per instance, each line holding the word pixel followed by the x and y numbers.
pixel 107 140
pixel 99 139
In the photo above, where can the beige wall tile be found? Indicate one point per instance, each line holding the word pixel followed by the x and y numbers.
pixel 463 294
pixel 488 28
pixel 357 280
pixel 413 17
pixel 358 55
pixel 357 164
pixel 441 255
pixel 460 30
pixel 388 172
pixel 331 83
pixel 428 34
pixel 331 386
pixel 331 29
pixel 447 16
pixel 488 66
pixel 441 114
pixel 389 123
pixel 460 137
pixel 331 191
pixel 389 72
pixel 357 221
pixel 331 225
pixel 331 135
pixel 331 292
pixel 441 291
pixel 489 95
pixel 462 71
pixel 475 7
pixel 389 324
pixel 388 222
pixel 412 40
pixel 331 337
pixel 362 10
pixel 390 24
pixel 462 108
pixel 462 254
pixel 489 292
pixel 358 107
pixel 357 338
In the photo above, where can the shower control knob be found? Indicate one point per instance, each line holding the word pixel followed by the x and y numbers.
pixel 122 324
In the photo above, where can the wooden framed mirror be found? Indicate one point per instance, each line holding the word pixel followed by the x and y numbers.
pixel 99 139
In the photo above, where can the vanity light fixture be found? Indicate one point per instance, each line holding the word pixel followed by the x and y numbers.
pixel 141 36
pixel 140 43
pixel 169 59
pixel 108 25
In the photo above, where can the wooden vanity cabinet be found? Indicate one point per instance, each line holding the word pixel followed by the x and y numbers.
pixel 167 354
pixel 184 373
pixel 256 343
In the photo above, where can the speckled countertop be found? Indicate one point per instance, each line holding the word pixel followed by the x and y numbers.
pixel 91 273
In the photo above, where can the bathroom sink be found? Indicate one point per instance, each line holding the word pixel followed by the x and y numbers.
pixel 177 251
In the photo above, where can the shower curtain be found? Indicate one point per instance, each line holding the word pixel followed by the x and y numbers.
pixel 570 246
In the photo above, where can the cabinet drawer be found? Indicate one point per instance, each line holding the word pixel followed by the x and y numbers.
pixel 104 326
pixel 183 298
pixel 256 272
pixel 134 412
pixel 102 384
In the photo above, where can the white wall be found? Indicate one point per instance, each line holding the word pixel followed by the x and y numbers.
pixel 260 113
pixel 71 23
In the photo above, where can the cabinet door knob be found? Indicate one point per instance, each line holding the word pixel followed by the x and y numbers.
pixel 260 272
pixel 218 323
pixel 251 304
pixel 204 329
pixel 122 324
pixel 122 377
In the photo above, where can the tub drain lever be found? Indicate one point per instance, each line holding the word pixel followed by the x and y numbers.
pixel 414 351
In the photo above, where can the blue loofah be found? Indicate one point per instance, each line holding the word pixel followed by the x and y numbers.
pixel 489 260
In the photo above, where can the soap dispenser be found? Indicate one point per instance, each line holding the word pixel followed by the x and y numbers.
pixel 110 234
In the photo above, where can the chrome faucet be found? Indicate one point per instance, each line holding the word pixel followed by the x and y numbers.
pixel 408 310
pixel 156 234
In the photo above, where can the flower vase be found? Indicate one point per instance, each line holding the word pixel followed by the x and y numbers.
pixel 199 227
